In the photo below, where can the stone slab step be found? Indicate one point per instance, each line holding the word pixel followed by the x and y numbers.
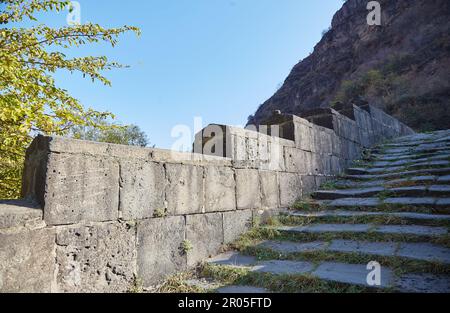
pixel 339 213
pixel 413 191
pixel 374 202
pixel 241 289
pixel 17 213
pixel 331 271
pixel 376 170
pixel 365 228
pixel 413 143
pixel 417 251
pixel 412 181
pixel 422 137
pixel 355 274
pixel 430 147
pixel 346 193
pixel 407 156
pixel 435 171
pixel 406 162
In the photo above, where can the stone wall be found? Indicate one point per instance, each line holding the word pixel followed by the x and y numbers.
pixel 103 217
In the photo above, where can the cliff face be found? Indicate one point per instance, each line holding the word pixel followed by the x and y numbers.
pixel 401 66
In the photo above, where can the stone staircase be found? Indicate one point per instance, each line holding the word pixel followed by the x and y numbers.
pixel 392 208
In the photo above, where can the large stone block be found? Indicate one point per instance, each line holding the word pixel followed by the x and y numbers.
pixel 247 189
pixel 246 151
pixel 205 233
pixel 298 161
pixel 184 191
pixel 336 146
pixel 160 250
pixel 141 189
pixel 321 164
pixel 27 261
pixel 269 189
pixel 304 138
pixel 19 213
pixel 235 224
pixel 308 184
pixel 290 188
pixel 252 152
pixel 337 165
pixel 219 189
pixel 274 160
pixel 96 258
pixel 322 140
pixel 81 188
pixel 345 128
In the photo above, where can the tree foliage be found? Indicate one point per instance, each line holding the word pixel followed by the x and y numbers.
pixel 130 135
pixel 30 100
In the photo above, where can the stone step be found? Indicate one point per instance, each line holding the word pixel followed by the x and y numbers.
pixel 433 171
pixel 355 274
pixel 416 142
pixel 410 191
pixel 375 202
pixel 422 137
pixel 241 289
pixel 407 156
pixel 341 213
pixel 406 144
pixel 406 162
pixel 410 181
pixel 376 170
pixel 208 285
pixel 418 251
pixel 417 230
pixel 431 147
pixel 19 213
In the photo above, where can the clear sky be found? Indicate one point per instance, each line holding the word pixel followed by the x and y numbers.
pixel 214 59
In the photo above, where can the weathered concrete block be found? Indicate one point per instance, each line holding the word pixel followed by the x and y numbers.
pixel 96 258
pixel 219 189
pixel 141 189
pixel 235 224
pixel 290 188
pixel 269 189
pixel 205 233
pixel 298 161
pixel 159 249
pixel 247 189
pixel 81 188
pixel 27 261
pixel 184 192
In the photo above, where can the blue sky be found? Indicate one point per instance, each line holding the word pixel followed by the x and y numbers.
pixel 214 59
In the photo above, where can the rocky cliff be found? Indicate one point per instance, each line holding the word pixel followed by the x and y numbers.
pixel 401 66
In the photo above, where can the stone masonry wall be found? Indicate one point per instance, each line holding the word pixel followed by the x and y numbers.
pixel 100 217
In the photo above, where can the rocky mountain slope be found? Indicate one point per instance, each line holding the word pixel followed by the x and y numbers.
pixel 401 66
